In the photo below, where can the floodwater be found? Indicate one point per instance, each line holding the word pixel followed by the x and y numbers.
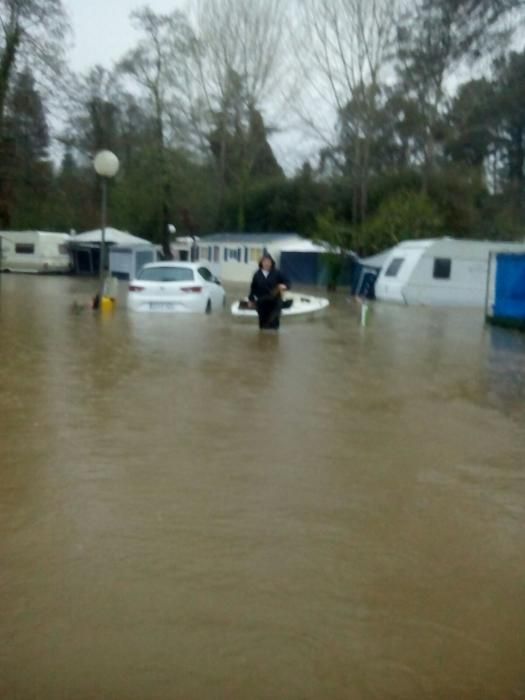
pixel 190 509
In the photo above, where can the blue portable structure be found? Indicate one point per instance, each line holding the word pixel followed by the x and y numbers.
pixel 506 290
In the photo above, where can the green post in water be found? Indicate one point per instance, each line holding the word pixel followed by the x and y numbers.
pixel 364 314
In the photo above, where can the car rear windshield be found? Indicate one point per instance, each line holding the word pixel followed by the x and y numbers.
pixel 166 274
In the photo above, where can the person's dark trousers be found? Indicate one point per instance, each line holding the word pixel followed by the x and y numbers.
pixel 269 311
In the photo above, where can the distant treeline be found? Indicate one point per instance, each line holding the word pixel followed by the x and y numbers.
pixel 419 110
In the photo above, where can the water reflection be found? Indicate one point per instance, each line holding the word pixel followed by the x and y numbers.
pixel 189 508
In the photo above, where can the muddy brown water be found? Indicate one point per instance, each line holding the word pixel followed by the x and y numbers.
pixel 190 509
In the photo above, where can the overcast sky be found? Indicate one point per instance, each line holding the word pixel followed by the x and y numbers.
pixel 102 31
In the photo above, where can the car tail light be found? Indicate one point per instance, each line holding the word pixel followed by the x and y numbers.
pixel 135 288
pixel 192 290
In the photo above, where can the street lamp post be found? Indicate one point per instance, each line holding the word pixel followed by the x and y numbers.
pixel 106 165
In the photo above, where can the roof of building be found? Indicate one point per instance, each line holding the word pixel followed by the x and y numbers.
pixel 249 237
pixel 377 260
pixel 112 235
pixel 457 246
pixel 305 245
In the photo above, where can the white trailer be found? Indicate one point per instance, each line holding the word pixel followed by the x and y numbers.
pixel 34 252
pixel 439 272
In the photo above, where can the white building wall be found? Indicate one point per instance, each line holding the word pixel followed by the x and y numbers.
pixel 237 261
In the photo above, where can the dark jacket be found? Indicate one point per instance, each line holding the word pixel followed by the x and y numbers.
pixel 264 288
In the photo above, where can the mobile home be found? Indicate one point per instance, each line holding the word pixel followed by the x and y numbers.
pixel 34 251
pixel 234 256
pixel 439 272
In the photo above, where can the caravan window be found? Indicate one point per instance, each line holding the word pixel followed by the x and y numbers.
pixel 25 248
pixel 442 268
pixel 394 267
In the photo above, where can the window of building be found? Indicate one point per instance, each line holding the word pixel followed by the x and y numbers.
pixel 204 253
pixel 255 254
pixel 216 253
pixel 232 254
pixel 25 248
pixel 442 268
pixel 394 267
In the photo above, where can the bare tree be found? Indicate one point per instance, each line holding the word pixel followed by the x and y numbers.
pixel 155 66
pixel 244 37
pixel 343 49
pixel 239 68
pixel 32 30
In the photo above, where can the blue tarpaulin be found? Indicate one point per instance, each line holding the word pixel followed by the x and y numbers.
pixel 316 268
pixel 509 301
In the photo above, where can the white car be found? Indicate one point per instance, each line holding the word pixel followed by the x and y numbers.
pixel 175 286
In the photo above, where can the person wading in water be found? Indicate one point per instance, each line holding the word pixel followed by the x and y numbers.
pixel 265 293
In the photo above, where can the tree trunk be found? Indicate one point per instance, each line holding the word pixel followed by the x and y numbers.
pixel 516 156
pixel 165 187
pixel 355 182
pixel 241 203
pixel 428 165
pixel 364 180
pixel 6 65
pixel 7 60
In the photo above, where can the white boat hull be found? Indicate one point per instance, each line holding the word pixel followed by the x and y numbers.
pixel 301 304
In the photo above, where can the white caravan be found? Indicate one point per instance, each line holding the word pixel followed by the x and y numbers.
pixel 34 251
pixel 439 272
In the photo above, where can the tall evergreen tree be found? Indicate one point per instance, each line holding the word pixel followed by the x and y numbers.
pixel 27 171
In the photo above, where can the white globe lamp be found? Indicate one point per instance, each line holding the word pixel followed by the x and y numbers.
pixel 106 165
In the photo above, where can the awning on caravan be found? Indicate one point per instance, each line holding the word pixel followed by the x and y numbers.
pixel 85 248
